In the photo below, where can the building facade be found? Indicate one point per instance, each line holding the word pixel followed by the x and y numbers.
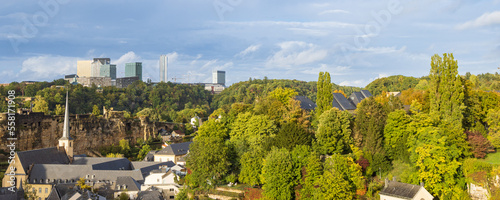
pixel 163 68
pixel 98 81
pixel 133 69
pixel 95 67
pixel 83 68
pixel 219 77
pixel 108 70
pixel 125 81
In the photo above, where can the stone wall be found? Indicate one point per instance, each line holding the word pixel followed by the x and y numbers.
pixel 36 130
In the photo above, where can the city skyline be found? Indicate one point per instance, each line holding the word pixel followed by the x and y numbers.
pixel 356 41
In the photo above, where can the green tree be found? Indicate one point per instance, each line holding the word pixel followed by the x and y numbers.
pixel 334 132
pixel 493 119
pixel 251 167
pixel 143 152
pixel 396 135
pixel 124 196
pixel 96 111
pixel 340 180
pixel 114 155
pixel 291 135
pixel 446 93
pixel 278 175
pixel 283 95
pixel 59 110
pixel 325 97
pixel 251 131
pixel 40 105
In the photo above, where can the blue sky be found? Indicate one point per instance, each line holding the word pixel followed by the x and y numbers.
pixel 356 41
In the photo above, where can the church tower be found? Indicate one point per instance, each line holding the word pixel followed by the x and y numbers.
pixel 66 141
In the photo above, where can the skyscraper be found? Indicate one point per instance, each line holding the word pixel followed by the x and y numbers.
pixel 96 66
pixel 108 70
pixel 219 77
pixel 133 69
pixel 163 68
pixel 83 68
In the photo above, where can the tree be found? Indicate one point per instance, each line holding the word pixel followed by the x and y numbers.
pixel 96 111
pixel 81 183
pixel 251 167
pixel 324 97
pixel 334 132
pixel 446 94
pixel 59 110
pixel 493 119
pixel 40 105
pixel 480 146
pixel 283 95
pixel 340 180
pixel 291 135
pixel 278 175
pixel 396 135
pixel 114 155
pixel 124 196
pixel 125 146
pixel 143 152
pixel 369 133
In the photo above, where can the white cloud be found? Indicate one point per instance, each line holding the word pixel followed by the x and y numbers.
pixel 127 58
pixel 357 83
pixel 293 53
pixel 250 49
pixel 382 50
pixel 334 12
pixel 337 70
pixel 47 67
pixel 486 19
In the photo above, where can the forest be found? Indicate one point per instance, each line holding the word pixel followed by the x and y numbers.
pixel 442 131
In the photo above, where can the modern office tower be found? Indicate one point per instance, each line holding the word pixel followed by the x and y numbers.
pixel 96 66
pixel 163 68
pixel 83 68
pixel 133 69
pixel 219 77
pixel 108 70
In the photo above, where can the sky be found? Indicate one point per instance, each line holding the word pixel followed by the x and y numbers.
pixel 356 41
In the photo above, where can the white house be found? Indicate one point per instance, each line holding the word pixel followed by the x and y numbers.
pixel 164 179
pixel 394 190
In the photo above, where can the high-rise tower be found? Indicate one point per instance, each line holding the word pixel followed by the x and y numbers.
pixel 219 77
pixel 163 68
pixel 133 69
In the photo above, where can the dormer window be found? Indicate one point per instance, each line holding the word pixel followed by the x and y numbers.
pixel 87 176
pixel 118 187
pixel 124 186
pixel 93 176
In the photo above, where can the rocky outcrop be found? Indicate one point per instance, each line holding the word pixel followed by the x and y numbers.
pixel 36 130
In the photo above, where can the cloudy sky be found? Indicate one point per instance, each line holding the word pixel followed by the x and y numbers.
pixel 356 41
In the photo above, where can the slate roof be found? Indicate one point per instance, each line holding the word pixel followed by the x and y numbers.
pixel 175 149
pixel 305 103
pixel 401 190
pixel 340 102
pixel 131 184
pixel 356 97
pixel 149 195
pixel 42 156
pixel 147 167
pixel 75 172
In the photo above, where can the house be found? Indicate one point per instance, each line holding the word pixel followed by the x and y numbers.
pixel 149 195
pixel 305 103
pixel 126 184
pixel 178 133
pixel 70 191
pixel 340 102
pixel 172 152
pixel 164 179
pixel 357 97
pixel 394 190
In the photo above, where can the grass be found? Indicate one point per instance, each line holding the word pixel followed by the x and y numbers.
pixel 493 158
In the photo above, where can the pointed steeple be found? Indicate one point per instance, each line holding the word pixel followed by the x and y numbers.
pixel 66 121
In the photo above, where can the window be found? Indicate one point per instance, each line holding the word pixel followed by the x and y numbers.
pixel 39 190
pixel 70 144
pixel 172 197
pixel 171 189
pixel 46 190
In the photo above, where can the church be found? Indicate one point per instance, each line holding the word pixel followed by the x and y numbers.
pixel 52 173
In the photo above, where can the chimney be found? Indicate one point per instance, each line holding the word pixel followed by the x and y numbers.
pixel 394 178
pixel 386 182
pixel 422 184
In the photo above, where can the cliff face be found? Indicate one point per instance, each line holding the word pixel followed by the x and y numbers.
pixel 36 130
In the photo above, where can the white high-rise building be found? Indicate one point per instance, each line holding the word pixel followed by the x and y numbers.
pixel 219 77
pixel 163 68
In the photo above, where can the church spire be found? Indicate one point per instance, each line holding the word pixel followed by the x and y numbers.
pixel 66 121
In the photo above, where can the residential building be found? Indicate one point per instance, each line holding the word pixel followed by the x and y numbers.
pixel 340 102
pixel 215 88
pixel 83 68
pixel 172 152
pixel 357 97
pixel 305 103
pixel 163 68
pixel 133 69
pixel 98 81
pixel 394 190
pixel 108 70
pixel 95 66
pixel 219 77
